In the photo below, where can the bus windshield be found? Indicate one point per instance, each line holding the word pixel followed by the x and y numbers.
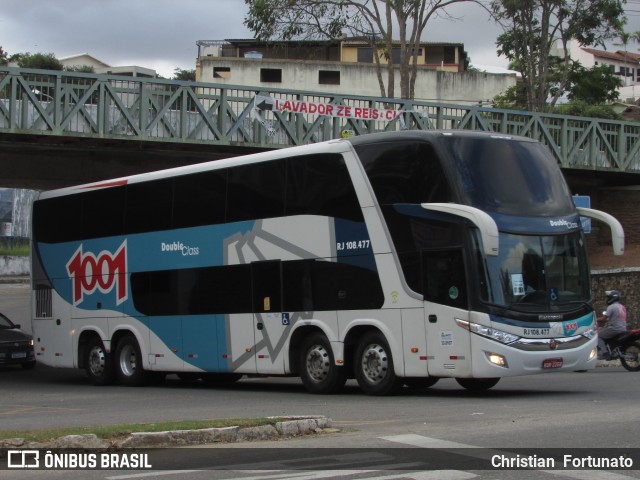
pixel 537 273
pixel 508 177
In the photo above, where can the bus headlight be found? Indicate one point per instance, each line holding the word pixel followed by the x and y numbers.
pixel 492 333
pixel 496 359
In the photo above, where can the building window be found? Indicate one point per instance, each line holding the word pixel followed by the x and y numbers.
pixel 272 75
pixel 395 55
pixel 365 55
pixel 221 72
pixel 328 77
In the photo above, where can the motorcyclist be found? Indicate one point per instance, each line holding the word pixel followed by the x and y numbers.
pixel 615 320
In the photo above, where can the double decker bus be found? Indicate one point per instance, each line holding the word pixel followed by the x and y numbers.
pixel 393 258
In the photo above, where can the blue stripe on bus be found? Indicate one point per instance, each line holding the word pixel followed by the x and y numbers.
pixel 199 340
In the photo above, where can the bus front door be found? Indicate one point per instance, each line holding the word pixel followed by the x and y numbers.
pixel 445 294
pixel 270 323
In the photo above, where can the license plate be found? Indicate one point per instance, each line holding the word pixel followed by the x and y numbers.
pixel 552 363
pixel 19 355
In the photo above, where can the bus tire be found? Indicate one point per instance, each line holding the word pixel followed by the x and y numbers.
pixel 318 369
pixel 477 384
pixel 128 363
pixel 374 366
pixel 98 363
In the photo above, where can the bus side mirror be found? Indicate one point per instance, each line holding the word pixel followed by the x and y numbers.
pixel 617 232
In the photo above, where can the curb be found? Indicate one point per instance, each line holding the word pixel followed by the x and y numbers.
pixel 285 427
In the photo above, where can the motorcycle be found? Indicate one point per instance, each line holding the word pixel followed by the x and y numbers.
pixel 626 348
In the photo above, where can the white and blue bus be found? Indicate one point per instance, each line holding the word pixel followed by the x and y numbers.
pixel 392 258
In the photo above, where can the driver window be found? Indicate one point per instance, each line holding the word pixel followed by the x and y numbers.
pixel 444 278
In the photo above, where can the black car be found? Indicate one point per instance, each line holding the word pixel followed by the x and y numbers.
pixel 16 346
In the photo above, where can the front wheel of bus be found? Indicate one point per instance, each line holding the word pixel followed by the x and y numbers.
pixel 374 366
pixel 98 363
pixel 318 369
pixel 477 384
pixel 129 362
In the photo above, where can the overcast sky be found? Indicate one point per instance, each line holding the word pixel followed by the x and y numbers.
pixel 162 34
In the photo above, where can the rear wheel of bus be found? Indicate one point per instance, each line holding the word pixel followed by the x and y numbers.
pixel 374 366
pixel 128 362
pixel 318 369
pixel 98 363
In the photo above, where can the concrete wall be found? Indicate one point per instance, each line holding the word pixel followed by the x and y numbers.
pixel 355 79
pixel 13 266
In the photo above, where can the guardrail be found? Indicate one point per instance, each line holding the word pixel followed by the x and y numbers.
pixel 43 102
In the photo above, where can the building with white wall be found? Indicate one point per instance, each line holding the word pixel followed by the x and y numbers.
pixel 344 67
pixel 84 59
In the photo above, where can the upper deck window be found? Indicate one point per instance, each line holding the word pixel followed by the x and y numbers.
pixel 508 176
pixel 404 172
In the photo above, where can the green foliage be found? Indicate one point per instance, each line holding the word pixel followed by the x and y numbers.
pixel 533 27
pixel 44 61
pixel 4 57
pixel 514 98
pixel 115 432
pixel 594 86
pixel 186 75
pixel 583 109
pixel 14 247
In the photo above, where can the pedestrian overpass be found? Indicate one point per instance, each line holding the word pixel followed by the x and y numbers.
pixel 59 128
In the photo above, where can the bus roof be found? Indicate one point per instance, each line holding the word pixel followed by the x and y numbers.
pixel 335 146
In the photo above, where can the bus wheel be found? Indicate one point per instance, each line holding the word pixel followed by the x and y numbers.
pixel 374 366
pixel 420 382
pixel 129 362
pixel 318 370
pixel 98 363
pixel 477 384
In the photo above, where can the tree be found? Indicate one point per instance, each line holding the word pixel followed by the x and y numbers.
pixel 593 86
pixel 372 20
pixel 45 61
pixel 4 58
pixel 533 27
pixel 186 75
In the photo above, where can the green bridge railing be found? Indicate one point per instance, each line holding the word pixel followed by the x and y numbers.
pixel 42 102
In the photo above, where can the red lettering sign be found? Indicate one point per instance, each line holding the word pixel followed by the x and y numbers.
pixel 89 272
pixel 361 113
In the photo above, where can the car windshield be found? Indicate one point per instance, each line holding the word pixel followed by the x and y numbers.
pixel 536 273
pixel 5 322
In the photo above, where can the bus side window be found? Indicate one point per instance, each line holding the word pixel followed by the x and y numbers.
pixel 149 206
pixel 443 277
pixel 256 191
pixel 321 185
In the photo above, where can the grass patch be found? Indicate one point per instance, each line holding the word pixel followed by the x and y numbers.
pixel 119 432
pixel 14 247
